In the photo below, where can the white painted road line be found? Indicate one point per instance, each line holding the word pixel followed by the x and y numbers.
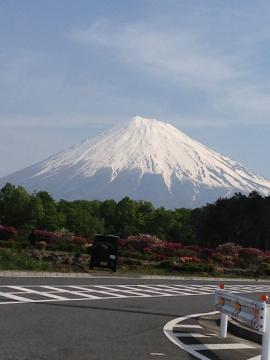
pixel 188 326
pixel 111 294
pixel 168 331
pixel 193 349
pixel 234 346
pixel 195 335
pixel 15 297
pixel 157 354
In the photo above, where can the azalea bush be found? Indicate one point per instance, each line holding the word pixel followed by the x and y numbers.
pixel 140 242
pixel 166 248
pixel 229 264
pixel 80 240
pixel 250 253
pixel 44 236
pixel 229 249
pixel 7 232
pixel 188 259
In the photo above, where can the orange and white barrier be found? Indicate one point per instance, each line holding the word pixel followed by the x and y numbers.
pixel 254 313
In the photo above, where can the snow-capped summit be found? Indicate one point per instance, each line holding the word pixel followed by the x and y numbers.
pixel 144 159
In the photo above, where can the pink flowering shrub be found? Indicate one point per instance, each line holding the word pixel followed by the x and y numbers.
pixel 166 248
pixel 140 242
pixel 7 232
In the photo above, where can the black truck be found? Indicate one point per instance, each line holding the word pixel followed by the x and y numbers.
pixel 104 252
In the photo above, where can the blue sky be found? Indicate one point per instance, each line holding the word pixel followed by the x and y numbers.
pixel 70 69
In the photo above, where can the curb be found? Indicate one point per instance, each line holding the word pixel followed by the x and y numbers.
pixel 237 329
pixel 15 273
pixel 202 340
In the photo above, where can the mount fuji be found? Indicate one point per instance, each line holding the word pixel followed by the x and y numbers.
pixel 144 159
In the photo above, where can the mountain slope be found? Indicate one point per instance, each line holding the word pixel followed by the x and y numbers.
pixel 144 159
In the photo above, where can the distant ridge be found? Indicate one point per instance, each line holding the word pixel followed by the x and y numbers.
pixel 145 159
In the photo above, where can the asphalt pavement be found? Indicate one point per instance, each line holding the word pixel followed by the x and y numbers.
pixel 107 318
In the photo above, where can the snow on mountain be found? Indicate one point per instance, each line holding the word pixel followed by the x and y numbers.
pixel 144 159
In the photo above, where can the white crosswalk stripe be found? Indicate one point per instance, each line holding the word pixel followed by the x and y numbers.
pixel 13 294
pixel 28 291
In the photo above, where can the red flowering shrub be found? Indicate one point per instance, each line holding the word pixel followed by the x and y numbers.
pixel 172 246
pixel 250 253
pixel 7 232
pixel 148 250
pixel 229 264
pixel 80 240
pixel 43 235
pixel 121 242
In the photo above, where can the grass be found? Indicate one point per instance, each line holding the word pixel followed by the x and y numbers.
pixel 13 260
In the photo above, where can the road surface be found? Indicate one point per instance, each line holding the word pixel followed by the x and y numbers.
pixel 100 318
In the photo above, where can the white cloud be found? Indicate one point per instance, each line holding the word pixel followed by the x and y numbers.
pixel 190 60
pixel 176 55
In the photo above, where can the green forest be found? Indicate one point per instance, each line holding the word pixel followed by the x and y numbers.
pixel 243 220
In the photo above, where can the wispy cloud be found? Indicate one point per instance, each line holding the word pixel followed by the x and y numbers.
pixel 55 121
pixel 188 59
pixel 175 55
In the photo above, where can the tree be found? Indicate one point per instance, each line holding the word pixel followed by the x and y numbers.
pixel 50 219
pixel 14 205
